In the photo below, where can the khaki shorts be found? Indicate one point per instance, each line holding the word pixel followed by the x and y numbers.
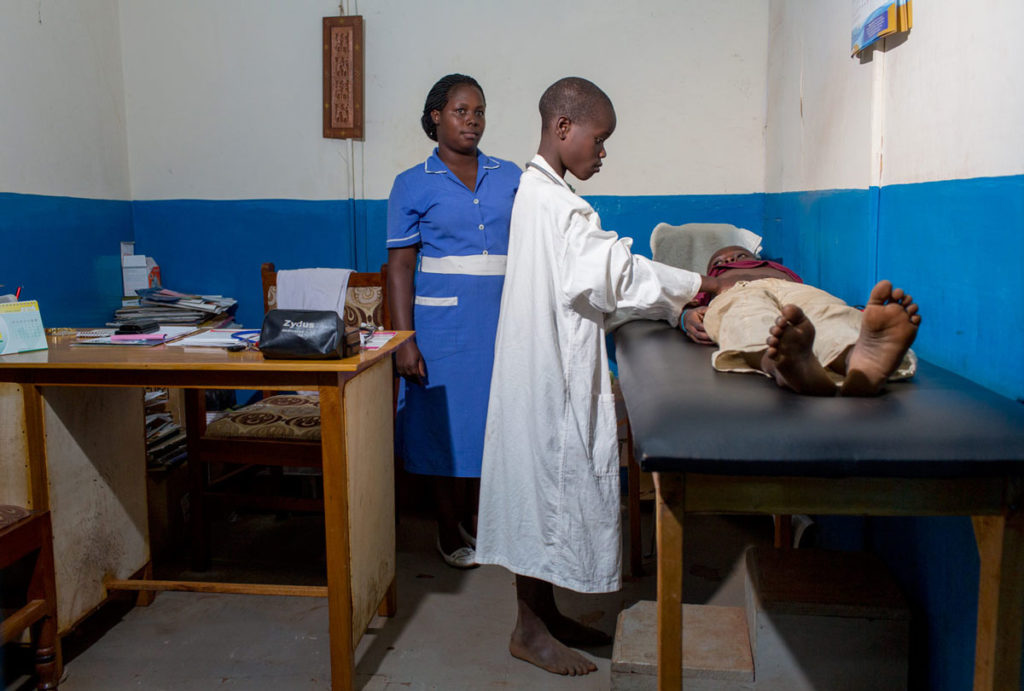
pixel 738 320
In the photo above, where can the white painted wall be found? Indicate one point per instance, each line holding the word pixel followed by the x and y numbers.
pixel 818 125
pixel 946 103
pixel 61 99
pixel 223 99
pixel 954 93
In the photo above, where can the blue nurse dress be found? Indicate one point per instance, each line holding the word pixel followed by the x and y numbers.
pixel 462 238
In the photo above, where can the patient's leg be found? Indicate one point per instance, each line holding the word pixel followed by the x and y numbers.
pixel 887 330
pixel 789 358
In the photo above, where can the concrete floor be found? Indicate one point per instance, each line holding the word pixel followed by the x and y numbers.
pixel 451 631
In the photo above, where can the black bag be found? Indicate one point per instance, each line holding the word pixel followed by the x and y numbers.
pixel 303 335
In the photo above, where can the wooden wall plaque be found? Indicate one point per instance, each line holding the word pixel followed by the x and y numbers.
pixel 343 77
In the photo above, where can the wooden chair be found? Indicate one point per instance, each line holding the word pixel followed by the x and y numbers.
pixel 277 432
pixel 27 535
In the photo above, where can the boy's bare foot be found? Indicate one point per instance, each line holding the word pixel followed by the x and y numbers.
pixel 789 358
pixel 531 641
pixel 887 330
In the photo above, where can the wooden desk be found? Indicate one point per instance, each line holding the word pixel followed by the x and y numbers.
pixel 736 443
pixel 356 414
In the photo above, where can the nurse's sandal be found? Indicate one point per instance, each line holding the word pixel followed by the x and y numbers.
pixel 462 558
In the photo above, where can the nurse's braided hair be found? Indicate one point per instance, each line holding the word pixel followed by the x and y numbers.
pixel 437 99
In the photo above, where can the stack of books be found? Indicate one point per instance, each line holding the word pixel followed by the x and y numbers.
pixel 171 307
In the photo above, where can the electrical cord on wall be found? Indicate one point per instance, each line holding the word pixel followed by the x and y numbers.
pixel 351 177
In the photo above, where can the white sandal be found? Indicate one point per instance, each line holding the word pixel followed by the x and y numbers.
pixel 462 558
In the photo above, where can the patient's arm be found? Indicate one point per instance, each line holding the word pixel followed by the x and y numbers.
pixel 713 285
pixel 693 324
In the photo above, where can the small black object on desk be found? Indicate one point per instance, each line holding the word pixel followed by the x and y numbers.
pixel 147 326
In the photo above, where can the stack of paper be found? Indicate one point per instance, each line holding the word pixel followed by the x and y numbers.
pixel 171 307
pixel 165 440
pixel 215 338
pixel 165 334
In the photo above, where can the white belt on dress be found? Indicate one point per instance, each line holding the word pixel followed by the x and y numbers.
pixel 472 264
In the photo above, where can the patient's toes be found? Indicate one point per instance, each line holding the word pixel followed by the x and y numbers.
pixel 793 314
pixel 880 293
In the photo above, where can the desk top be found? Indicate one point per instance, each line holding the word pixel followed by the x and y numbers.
pixel 687 417
pixel 64 363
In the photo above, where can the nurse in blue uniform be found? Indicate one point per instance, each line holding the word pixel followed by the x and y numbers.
pixel 448 220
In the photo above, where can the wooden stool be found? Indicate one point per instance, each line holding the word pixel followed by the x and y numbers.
pixel 25 533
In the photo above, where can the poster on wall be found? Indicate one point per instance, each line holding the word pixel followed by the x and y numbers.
pixel 343 77
pixel 875 19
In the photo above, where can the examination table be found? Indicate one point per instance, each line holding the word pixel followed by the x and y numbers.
pixel 736 443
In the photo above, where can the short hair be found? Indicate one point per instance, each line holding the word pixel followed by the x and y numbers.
pixel 437 99
pixel 577 98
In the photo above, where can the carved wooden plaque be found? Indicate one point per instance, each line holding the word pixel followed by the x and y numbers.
pixel 343 77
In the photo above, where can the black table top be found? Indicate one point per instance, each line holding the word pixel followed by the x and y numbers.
pixel 686 417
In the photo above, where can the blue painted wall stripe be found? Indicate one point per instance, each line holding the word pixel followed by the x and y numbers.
pixel 636 217
pixel 958 248
pixel 65 252
pixel 827 237
pixel 217 247
pixel 934 239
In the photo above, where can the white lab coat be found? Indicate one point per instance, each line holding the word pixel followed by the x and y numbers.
pixel 549 496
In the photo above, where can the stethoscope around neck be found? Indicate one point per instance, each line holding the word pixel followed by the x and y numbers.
pixel 553 178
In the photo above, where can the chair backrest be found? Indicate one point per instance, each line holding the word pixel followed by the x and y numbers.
pixel 365 301
pixel 691 245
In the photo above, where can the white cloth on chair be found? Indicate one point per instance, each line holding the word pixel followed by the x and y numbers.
pixel 313 289
pixel 691 245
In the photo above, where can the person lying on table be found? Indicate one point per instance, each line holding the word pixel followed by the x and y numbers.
pixel 766 319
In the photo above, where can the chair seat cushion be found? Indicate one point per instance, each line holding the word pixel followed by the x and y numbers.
pixel 9 515
pixel 291 416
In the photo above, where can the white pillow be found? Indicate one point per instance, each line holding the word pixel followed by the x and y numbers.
pixel 691 245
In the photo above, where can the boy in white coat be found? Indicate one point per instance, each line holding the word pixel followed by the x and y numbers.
pixel 549 501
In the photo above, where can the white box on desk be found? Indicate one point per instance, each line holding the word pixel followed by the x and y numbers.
pixel 139 271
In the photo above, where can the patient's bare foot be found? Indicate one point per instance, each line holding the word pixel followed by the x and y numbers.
pixel 533 642
pixel 888 329
pixel 789 358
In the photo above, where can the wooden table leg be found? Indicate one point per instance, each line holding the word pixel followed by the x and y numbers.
pixel 636 562
pixel 49 661
pixel 670 488
pixel 389 605
pixel 997 656
pixel 783 530
pixel 339 597
pixel 199 522
pixel 35 435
